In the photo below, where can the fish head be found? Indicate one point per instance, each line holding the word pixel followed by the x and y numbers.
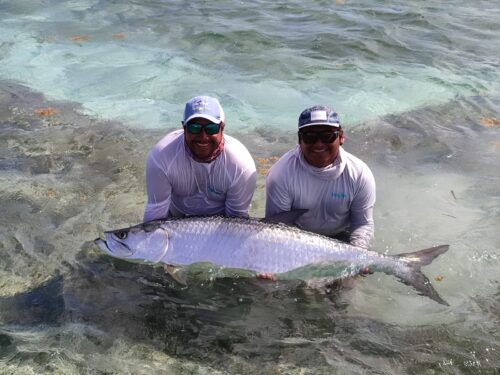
pixel 144 242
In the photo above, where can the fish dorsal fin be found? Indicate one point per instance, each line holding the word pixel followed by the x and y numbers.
pixel 287 217
pixel 177 273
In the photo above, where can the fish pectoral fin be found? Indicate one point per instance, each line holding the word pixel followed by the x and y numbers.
pixel 321 282
pixel 177 273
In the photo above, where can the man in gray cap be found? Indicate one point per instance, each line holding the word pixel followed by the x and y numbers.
pixel 199 170
pixel 336 188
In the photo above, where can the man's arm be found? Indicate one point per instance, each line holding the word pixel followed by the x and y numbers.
pixel 159 191
pixel 240 194
pixel 277 197
pixel 361 215
pixel 362 228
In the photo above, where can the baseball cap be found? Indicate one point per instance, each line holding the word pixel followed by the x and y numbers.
pixel 204 107
pixel 319 115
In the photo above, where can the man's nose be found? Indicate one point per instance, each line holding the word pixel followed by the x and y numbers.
pixel 203 134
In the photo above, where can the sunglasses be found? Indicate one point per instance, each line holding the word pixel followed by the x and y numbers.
pixel 210 129
pixel 325 137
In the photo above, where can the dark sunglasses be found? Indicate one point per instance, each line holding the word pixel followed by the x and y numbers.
pixel 325 137
pixel 210 129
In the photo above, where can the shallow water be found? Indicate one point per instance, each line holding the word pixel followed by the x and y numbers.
pixel 67 307
pixel 89 86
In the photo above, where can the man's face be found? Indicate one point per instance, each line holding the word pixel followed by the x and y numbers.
pixel 202 145
pixel 319 153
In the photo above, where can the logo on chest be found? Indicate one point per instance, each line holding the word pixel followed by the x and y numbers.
pixel 339 195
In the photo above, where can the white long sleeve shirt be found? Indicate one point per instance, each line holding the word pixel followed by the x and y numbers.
pixel 338 197
pixel 177 185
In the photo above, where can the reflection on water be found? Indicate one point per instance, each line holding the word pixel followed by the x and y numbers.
pixel 66 307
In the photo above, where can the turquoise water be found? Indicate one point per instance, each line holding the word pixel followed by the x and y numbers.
pixel 139 61
pixel 87 87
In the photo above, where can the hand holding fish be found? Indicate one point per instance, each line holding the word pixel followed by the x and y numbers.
pixel 266 276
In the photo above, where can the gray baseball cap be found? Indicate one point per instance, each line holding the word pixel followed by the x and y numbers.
pixel 319 115
pixel 205 107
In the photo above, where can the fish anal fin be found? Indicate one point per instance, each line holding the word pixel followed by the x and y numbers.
pixel 324 282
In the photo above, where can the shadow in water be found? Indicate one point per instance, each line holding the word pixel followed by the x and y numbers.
pixel 207 320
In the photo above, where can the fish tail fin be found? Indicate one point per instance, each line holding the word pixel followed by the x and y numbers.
pixel 415 277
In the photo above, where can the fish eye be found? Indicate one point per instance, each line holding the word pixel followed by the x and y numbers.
pixel 121 234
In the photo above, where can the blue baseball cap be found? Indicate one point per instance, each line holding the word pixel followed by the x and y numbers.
pixel 205 107
pixel 319 115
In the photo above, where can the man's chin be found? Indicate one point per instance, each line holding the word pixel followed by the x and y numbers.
pixel 202 153
pixel 318 160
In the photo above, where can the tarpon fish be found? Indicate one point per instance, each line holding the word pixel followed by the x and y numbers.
pixel 262 247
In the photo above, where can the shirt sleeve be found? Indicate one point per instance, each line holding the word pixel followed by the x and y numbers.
pixel 361 213
pixel 277 197
pixel 240 194
pixel 159 191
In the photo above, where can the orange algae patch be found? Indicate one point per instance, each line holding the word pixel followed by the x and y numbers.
pixel 263 164
pixel 490 122
pixel 51 193
pixel 46 112
pixel 80 38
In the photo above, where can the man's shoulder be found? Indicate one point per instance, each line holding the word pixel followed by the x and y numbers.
pixel 233 144
pixel 353 161
pixel 356 167
pixel 289 157
pixel 289 161
pixel 166 149
pixel 236 151
pixel 170 141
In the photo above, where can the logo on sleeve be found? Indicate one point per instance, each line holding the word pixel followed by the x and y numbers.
pixel 339 195
pixel 212 190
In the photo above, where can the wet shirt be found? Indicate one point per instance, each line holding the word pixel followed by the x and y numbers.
pixel 338 197
pixel 177 185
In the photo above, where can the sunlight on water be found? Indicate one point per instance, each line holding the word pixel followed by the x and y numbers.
pixel 143 71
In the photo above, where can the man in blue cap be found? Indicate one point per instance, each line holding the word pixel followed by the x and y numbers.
pixel 199 170
pixel 336 188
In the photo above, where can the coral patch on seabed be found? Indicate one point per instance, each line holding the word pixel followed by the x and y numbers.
pixel 46 112
pixel 490 122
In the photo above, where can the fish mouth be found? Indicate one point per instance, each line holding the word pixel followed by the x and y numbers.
pixel 123 252
pixel 103 245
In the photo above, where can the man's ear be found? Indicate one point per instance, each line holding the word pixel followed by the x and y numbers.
pixel 342 137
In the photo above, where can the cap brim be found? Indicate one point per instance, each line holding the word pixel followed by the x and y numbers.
pixel 336 125
pixel 201 115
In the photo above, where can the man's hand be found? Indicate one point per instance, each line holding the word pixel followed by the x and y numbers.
pixel 267 276
pixel 365 271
